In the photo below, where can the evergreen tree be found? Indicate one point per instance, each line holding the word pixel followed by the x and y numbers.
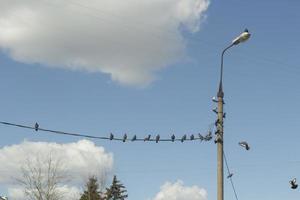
pixel 116 191
pixel 92 190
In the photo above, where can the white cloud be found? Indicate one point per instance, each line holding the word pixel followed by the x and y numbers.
pixel 15 193
pixel 177 191
pixel 130 40
pixel 80 160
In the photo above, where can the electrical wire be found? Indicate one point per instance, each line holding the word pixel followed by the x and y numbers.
pixel 230 176
pixel 37 128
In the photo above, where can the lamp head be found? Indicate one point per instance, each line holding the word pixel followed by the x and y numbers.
pixel 244 36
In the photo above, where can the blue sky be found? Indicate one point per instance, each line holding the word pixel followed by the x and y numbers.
pixel 261 94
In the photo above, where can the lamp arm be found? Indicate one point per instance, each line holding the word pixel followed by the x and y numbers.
pixel 220 92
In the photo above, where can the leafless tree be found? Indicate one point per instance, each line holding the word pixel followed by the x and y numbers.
pixel 41 177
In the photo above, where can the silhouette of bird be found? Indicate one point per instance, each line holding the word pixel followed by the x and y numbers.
pixel 134 138
pixel 147 138
pixel 215 110
pixel 294 184
pixel 208 137
pixel 192 137
pixel 201 137
pixel 245 145
pixel 157 138
pixel 218 138
pixel 173 138
pixel 230 175
pixel 217 122
pixel 111 136
pixel 214 99
pixel 36 126
pixel 183 138
pixel 124 137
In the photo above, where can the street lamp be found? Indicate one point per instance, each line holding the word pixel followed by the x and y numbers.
pixel 219 123
pixel 241 38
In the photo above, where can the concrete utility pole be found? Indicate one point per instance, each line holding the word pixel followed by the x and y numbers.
pixel 219 140
pixel 219 123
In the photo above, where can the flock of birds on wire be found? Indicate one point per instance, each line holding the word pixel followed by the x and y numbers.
pixel 207 137
pixel 157 138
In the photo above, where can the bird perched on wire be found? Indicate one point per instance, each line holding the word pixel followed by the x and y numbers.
pixel 192 137
pixel 125 137
pixel 294 184
pixel 230 175
pixel 133 138
pixel 173 138
pixel 245 145
pixel 183 138
pixel 111 136
pixel 147 138
pixel 201 137
pixel 157 138
pixel 36 126
pixel 208 137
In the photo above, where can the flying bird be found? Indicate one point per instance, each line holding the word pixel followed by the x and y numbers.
pixel 245 145
pixel 36 126
pixel 294 184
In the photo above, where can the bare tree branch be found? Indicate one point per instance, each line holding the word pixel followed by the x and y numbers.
pixel 41 178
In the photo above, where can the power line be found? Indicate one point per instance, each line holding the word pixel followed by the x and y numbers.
pixel 230 174
pixel 207 137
